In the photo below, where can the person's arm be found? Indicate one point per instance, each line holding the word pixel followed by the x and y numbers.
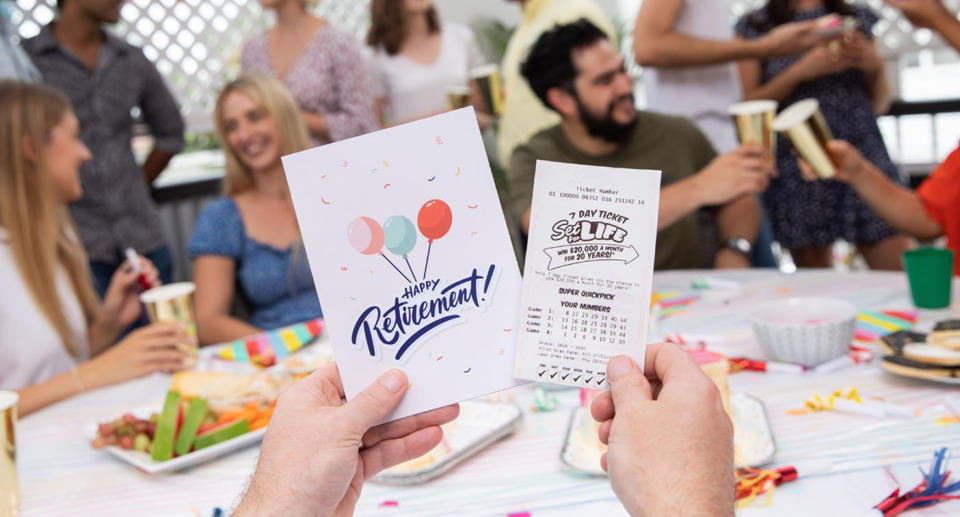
pixel 121 305
pixel 877 79
pixel 899 207
pixel 745 170
pixel 215 277
pixel 520 176
pixel 931 14
pixel 162 116
pixel 738 219
pixel 354 114
pixel 657 43
pixel 157 347
pixel 316 124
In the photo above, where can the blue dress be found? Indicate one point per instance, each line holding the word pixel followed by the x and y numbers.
pixel 276 283
pixel 820 212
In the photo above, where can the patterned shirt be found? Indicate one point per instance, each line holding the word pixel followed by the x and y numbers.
pixel 116 210
pixel 329 78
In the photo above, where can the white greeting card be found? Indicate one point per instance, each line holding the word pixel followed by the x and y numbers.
pixel 588 273
pixel 412 260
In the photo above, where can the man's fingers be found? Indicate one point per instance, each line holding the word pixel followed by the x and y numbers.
pixel 410 425
pixel 603 462
pixel 374 403
pixel 602 407
pixel 668 362
pixel 603 432
pixel 393 452
pixel 627 383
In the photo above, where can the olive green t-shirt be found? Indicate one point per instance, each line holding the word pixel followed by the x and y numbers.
pixel 659 142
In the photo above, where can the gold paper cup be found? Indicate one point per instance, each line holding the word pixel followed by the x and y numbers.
pixel 487 79
pixel 754 123
pixel 9 488
pixel 807 130
pixel 172 302
pixel 458 97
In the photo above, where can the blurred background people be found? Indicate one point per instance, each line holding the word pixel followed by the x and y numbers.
pixel 320 65
pixel 417 60
pixel 688 51
pixel 249 239
pixel 576 71
pixel 105 78
pixel 933 210
pixel 846 76
pixel 55 334
pixel 14 62
pixel 523 114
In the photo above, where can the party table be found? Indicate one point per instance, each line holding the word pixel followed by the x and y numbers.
pixel 60 475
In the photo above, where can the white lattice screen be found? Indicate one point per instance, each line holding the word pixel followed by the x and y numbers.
pixel 195 43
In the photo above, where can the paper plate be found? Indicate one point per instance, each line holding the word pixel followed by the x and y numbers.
pixel 479 425
pixel 904 367
pixel 143 462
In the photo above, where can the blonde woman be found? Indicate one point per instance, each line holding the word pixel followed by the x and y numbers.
pixel 320 65
pixel 55 335
pixel 250 237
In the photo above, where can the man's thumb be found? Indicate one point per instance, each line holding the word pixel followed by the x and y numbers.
pixel 627 382
pixel 376 402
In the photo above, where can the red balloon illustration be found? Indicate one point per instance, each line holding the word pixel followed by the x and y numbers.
pixel 434 219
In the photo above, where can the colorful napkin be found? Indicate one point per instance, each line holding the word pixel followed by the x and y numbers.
pixel 263 350
pixel 873 325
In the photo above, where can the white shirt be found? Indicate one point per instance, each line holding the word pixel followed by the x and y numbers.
pixel 30 348
pixel 413 89
pixel 700 93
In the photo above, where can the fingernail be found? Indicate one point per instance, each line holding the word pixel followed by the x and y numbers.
pixel 619 366
pixel 394 380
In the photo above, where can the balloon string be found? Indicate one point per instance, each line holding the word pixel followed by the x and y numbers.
pixel 414 275
pixel 394 267
pixel 427 262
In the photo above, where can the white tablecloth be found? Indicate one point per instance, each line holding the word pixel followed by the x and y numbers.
pixel 60 475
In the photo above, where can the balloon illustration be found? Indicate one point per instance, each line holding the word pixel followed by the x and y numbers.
pixel 434 221
pixel 400 238
pixel 367 237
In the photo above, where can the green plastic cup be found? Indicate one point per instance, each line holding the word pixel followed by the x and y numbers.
pixel 930 272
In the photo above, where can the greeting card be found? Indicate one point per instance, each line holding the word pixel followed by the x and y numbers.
pixel 588 273
pixel 411 258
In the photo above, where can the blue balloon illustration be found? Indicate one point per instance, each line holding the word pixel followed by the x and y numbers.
pixel 400 235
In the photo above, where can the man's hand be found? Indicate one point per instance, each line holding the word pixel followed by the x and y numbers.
pixel 790 39
pixel 670 442
pixel 745 170
pixel 921 13
pixel 319 450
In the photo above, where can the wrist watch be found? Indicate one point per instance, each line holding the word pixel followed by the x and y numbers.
pixel 739 244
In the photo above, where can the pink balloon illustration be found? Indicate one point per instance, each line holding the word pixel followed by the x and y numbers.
pixel 366 236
